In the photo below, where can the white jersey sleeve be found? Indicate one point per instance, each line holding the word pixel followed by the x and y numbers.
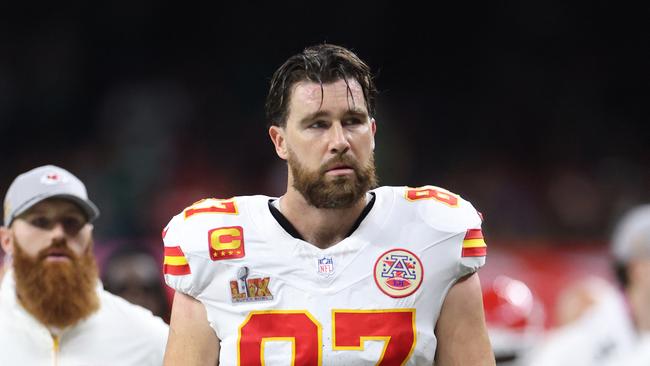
pixel 189 245
pixel 176 267
pixel 446 212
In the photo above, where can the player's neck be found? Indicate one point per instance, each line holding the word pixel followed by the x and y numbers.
pixel 320 227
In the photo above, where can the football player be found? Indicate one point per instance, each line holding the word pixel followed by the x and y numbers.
pixel 333 272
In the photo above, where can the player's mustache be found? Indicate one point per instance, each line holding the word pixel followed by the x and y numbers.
pixel 58 246
pixel 338 161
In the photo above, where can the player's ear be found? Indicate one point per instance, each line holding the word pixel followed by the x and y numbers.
pixel 277 136
pixel 6 241
pixel 373 127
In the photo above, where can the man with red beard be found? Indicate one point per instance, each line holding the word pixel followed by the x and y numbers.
pixel 53 309
pixel 333 272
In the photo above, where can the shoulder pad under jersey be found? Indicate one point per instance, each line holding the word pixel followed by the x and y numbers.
pixel 442 209
pixel 448 212
pixel 188 241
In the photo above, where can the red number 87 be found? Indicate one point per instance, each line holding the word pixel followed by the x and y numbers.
pixel 350 328
pixel 432 192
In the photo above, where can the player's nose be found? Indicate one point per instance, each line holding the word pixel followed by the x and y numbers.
pixel 338 139
pixel 57 231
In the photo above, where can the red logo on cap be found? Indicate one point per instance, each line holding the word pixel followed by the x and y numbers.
pixel 53 178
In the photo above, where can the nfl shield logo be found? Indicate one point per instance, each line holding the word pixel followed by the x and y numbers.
pixel 326 266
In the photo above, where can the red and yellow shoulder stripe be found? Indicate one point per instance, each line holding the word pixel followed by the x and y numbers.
pixel 175 262
pixel 473 244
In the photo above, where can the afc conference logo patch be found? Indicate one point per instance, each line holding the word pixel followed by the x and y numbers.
pixel 226 243
pixel 398 273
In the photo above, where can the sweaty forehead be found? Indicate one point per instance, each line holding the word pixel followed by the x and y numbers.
pixel 309 96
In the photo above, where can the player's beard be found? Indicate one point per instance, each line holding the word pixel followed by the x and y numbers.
pixel 58 294
pixel 342 191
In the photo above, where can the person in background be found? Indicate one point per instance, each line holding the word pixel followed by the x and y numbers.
pixel 53 309
pixel 631 248
pixel 515 319
pixel 132 273
pixel 612 325
pixel 5 262
pixel 578 296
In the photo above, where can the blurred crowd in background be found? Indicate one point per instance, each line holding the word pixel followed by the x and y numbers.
pixel 532 111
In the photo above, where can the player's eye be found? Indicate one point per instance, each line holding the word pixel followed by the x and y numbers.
pixel 72 224
pixel 352 121
pixel 41 222
pixel 318 124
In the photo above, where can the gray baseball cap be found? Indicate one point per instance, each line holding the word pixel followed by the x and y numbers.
pixel 631 237
pixel 42 183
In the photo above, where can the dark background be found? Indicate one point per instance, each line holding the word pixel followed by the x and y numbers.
pixel 535 111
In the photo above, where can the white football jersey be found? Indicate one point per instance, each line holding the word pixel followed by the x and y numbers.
pixel 372 299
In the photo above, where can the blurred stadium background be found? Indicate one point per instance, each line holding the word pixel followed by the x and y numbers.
pixel 535 112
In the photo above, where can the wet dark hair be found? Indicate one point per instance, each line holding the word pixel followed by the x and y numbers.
pixel 324 63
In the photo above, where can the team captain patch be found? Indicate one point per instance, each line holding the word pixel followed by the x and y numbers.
pixel 398 273
pixel 226 243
